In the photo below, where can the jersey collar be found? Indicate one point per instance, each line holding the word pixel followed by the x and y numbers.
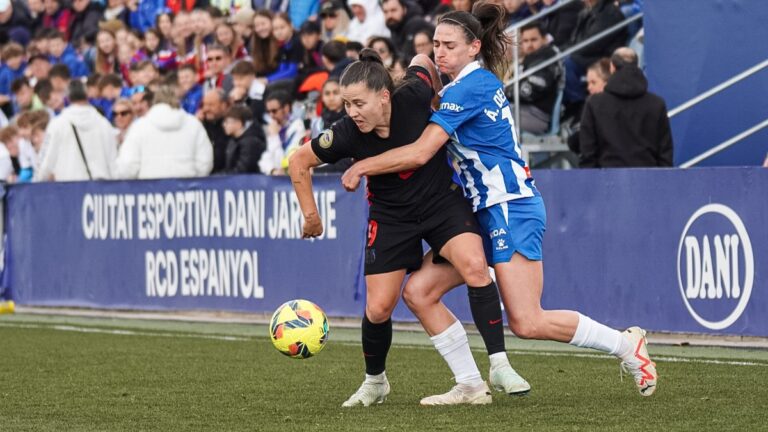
pixel 466 70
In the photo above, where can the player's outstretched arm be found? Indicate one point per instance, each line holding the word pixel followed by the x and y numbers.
pixel 403 158
pixel 299 168
pixel 425 62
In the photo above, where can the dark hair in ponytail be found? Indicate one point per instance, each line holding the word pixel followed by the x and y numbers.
pixel 486 23
pixel 370 70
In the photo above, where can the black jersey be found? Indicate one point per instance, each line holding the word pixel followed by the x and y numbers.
pixel 397 196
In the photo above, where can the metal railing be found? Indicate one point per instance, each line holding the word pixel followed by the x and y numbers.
pixel 708 94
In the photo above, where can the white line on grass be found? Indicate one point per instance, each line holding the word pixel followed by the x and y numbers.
pixel 124 332
pixel 243 339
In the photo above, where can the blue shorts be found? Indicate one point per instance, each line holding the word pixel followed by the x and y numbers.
pixel 513 226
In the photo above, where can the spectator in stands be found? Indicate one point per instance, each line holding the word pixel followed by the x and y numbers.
pixel 85 22
pixel 597 76
pixel 56 16
pixel 212 112
pixel 242 23
pixel 386 50
pixel 11 69
pixel 62 52
pixel 26 123
pixel 353 50
pixel 463 5
pixel 219 61
pixel 516 10
pixel 162 54
pixel 625 125
pixel 368 21
pixel 333 107
pixel 37 68
pixel 538 92
pixel 285 133
pixel 143 73
pixel 312 45
pixel 167 143
pixel 122 118
pixel 226 36
pixel 105 59
pixel 404 20
pixel 560 23
pixel 80 143
pixel 116 10
pixel 334 20
pixel 191 92
pixel 247 90
pixel 141 100
pixel 264 47
pixel 15 21
pixel 60 77
pixel 164 24
pixel 52 100
pixel 598 15
pixel 290 53
pixel 423 43
pixel 246 142
pixel 110 87
pixel 23 94
pixel 335 58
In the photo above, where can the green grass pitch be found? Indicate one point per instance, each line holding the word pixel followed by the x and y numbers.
pixel 79 374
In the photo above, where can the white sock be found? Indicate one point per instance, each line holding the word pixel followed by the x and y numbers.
pixel 453 345
pixel 592 334
pixel 380 378
pixel 498 360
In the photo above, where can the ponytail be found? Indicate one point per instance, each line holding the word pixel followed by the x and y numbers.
pixel 485 23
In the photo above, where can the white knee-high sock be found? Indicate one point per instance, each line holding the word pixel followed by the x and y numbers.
pixel 592 334
pixel 453 345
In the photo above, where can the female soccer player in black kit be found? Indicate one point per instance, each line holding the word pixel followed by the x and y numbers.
pixel 406 208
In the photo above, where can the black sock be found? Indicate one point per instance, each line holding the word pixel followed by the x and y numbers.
pixel 486 311
pixel 376 341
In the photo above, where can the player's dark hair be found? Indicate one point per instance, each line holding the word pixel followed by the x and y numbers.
pixel 370 70
pixel 485 23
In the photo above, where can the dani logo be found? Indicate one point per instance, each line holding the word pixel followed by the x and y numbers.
pixel 715 266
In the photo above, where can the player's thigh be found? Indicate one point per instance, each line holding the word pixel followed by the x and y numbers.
pixel 392 246
pixel 431 281
pixel 383 292
pixel 520 282
pixel 465 252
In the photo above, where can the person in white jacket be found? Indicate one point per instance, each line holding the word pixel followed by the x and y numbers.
pixel 368 22
pixel 285 133
pixel 62 159
pixel 166 143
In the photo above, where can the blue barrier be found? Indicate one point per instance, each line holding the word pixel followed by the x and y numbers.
pixel 670 250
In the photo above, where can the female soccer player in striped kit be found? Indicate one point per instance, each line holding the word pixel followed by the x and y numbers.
pixel 475 115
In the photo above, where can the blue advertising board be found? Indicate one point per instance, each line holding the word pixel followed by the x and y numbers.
pixel 231 243
pixel 670 250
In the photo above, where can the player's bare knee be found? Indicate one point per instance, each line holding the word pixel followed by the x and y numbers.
pixel 474 270
pixel 524 328
pixel 378 313
pixel 418 297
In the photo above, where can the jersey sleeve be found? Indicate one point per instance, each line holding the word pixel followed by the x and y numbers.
pixel 334 143
pixel 457 105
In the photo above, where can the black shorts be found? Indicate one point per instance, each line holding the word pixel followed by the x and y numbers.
pixel 397 245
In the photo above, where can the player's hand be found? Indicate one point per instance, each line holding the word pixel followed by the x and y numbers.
pixel 351 179
pixel 313 226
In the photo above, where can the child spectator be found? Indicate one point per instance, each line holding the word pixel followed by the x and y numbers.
pixel 248 90
pixel 264 47
pixel 246 142
pixel 226 36
pixel 12 68
pixel 62 52
pixel 191 91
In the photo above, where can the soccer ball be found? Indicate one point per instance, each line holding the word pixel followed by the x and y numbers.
pixel 299 329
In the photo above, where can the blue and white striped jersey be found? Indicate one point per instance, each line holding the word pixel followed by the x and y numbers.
pixel 477 115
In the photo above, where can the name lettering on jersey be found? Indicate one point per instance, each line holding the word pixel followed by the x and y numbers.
pixel 450 106
pixel 499 97
pixel 326 139
pixel 491 114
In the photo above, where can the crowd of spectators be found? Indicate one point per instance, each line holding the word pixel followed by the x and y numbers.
pixel 103 89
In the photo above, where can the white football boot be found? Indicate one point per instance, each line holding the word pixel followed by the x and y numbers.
pixel 372 391
pixel 505 378
pixel 461 394
pixel 640 366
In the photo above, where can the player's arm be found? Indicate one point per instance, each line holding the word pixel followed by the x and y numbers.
pixel 425 62
pixel 399 159
pixel 299 168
